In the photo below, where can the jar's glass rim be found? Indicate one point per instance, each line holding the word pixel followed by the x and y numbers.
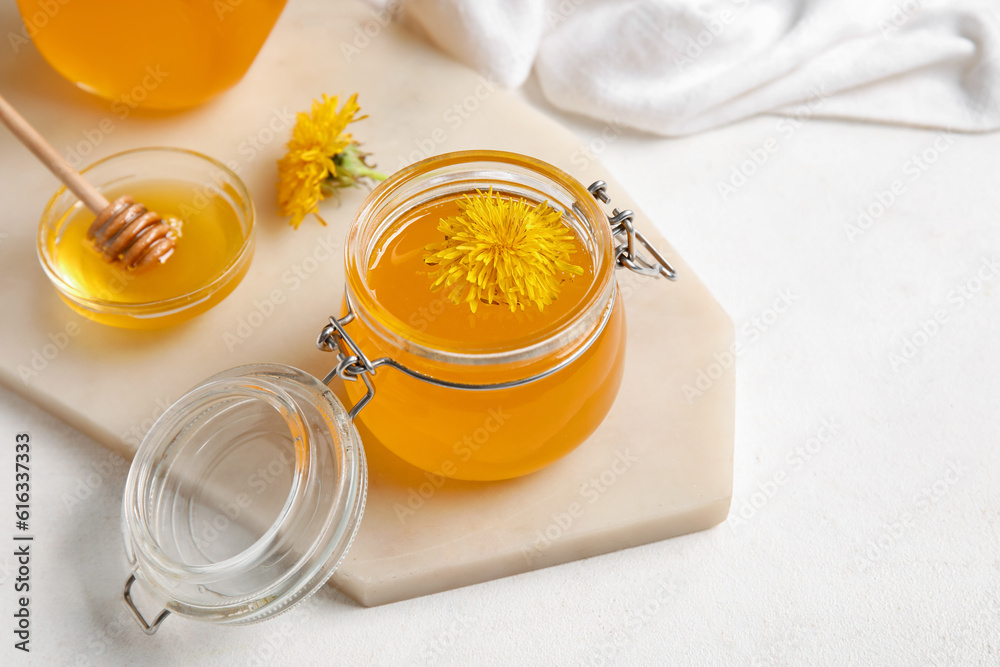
pixel 153 308
pixel 404 336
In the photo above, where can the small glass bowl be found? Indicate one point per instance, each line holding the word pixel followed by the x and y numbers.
pixel 150 165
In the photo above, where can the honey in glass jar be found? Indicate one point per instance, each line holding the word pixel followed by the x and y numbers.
pixel 512 390
pixel 154 54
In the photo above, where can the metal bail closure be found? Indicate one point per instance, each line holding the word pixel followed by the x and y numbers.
pixel 352 363
pixel 626 235
pixel 148 628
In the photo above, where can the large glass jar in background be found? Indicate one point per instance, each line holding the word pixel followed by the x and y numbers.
pixel 154 54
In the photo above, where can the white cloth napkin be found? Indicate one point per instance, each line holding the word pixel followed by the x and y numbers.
pixel 676 67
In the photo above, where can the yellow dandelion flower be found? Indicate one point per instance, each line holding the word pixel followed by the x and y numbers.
pixel 501 251
pixel 321 157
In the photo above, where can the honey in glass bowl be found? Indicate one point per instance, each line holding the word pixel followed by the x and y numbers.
pixel 154 54
pixel 572 350
pixel 213 215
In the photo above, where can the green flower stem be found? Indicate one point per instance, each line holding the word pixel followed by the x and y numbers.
pixel 351 169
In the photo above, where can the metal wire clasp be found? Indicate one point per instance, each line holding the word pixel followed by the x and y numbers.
pixel 626 235
pixel 147 627
pixel 352 362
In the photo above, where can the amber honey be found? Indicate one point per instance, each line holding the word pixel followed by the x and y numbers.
pixel 158 54
pixel 401 282
pixel 494 433
pixel 205 202
pixel 211 235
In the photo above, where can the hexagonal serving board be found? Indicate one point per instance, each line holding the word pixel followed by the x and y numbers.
pixel 659 466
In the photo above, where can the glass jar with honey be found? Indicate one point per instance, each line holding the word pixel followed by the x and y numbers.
pixel 463 383
pixel 510 390
pixel 167 54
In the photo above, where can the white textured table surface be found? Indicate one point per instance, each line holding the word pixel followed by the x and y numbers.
pixel 866 513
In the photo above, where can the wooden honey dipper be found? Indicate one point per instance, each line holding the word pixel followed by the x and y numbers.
pixel 124 232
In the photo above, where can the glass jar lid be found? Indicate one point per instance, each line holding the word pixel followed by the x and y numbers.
pixel 244 497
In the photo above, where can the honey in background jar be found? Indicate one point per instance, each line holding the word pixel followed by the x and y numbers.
pixel 154 54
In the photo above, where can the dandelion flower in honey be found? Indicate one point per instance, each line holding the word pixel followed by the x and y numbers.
pixel 502 251
pixel 322 157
